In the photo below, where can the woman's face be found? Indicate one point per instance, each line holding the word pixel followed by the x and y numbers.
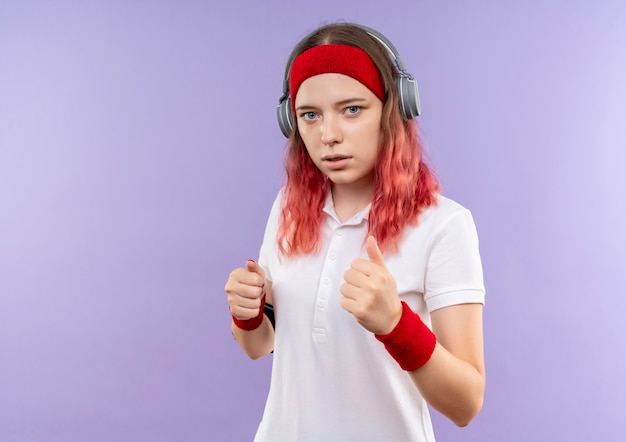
pixel 339 121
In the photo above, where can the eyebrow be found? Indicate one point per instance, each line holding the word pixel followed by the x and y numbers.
pixel 339 103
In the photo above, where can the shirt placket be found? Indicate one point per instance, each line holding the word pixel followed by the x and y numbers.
pixel 330 273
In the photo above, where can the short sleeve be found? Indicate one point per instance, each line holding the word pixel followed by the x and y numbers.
pixel 454 272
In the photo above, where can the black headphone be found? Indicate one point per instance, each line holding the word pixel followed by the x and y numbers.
pixel 408 95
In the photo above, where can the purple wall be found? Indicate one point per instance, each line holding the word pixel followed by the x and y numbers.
pixel 139 156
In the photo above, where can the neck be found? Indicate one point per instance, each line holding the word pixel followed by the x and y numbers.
pixel 348 200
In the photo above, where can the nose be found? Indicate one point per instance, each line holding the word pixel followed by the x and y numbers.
pixel 331 130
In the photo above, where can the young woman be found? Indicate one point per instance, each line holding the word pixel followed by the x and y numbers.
pixel 374 276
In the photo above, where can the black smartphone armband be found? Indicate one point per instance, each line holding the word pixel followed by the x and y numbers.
pixel 269 312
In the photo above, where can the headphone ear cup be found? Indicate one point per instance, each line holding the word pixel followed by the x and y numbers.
pixel 283 114
pixel 408 97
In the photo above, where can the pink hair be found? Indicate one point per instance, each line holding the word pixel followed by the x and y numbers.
pixel 405 186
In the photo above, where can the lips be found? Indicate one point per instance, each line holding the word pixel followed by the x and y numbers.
pixel 336 161
pixel 335 157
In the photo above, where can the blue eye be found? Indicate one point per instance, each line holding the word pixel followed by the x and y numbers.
pixel 309 116
pixel 353 110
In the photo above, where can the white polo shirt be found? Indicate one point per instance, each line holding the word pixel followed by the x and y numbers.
pixel 331 379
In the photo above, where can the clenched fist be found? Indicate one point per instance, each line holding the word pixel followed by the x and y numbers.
pixel 245 289
pixel 370 293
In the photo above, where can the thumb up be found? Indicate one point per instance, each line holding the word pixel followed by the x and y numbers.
pixel 245 289
pixel 370 293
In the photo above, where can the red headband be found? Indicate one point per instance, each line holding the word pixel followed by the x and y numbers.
pixel 336 59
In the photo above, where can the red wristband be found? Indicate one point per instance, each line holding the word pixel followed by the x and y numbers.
pixel 411 343
pixel 254 323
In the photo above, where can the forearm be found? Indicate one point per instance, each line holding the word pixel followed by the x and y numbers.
pixel 447 363
pixel 451 385
pixel 258 342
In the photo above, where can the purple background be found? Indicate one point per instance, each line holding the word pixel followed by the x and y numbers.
pixel 139 157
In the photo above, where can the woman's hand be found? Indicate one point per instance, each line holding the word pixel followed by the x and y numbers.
pixel 245 289
pixel 370 293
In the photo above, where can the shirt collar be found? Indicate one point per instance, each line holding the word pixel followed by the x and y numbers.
pixel 329 209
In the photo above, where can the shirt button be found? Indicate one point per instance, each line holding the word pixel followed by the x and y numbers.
pixel 321 303
pixel 339 232
pixel 326 280
pixel 332 255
